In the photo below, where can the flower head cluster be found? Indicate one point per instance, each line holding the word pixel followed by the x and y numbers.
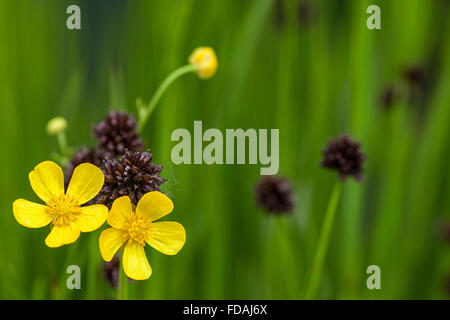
pixel 275 195
pixel 117 133
pixel 344 155
pixel 127 182
pixel 131 175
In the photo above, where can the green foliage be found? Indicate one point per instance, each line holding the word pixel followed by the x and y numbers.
pixel 312 81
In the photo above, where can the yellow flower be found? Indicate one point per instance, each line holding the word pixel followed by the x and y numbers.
pixel 135 227
pixel 205 61
pixel 56 125
pixel 63 210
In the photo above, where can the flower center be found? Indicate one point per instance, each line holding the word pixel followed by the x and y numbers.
pixel 64 209
pixel 138 228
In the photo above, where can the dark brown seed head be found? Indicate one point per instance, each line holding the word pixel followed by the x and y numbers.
pixel 131 175
pixel 415 75
pixel 111 271
pixel 117 133
pixel 344 155
pixel 275 195
pixel 84 155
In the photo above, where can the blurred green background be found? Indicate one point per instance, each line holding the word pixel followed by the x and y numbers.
pixel 313 75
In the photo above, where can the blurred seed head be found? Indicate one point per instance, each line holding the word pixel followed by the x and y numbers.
pixel 280 15
pixel 344 155
pixel 447 286
pixel 389 96
pixel 56 125
pixel 414 75
pixel 89 155
pixel 205 61
pixel 415 78
pixel 275 195
pixel 305 12
pixel 117 133
pixel 131 175
pixel 443 231
pixel 111 271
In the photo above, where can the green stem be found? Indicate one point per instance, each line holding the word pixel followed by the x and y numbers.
pixel 92 265
pixel 123 283
pixel 145 112
pixel 321 251
pixel 64 149
pixel 62 142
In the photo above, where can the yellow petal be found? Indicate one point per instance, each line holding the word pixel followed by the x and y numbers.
pixel 110 241
pixel 87 180
pixel 135 263
pixel 120 210
pixel 154 205
pixel 47 180
pixel 30 214
pixel 167 237
pixel 63 234
pixel 92 217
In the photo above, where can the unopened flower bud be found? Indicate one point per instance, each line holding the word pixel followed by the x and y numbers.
pixel 205 61
pixel 56 125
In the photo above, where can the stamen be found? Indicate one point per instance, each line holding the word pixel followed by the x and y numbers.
pixel 138 228
pixel 64 209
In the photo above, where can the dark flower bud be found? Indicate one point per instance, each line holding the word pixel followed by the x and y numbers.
pixel 344 155
pixel 389 96
pixel 131 175
pixel 275 195
pixel 117 133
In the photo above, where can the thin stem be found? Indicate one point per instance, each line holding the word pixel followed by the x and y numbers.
pixel 64 149
pixel 145 112
pixel 123 283
pixel 62 142
pixel 321 251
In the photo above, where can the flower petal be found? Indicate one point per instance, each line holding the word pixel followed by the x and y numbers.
pixel 63 234
pixel 120 210
pixel 87 180
pixel 30 214
pixel 135 263
pixel 92 217
pixel 167 237
pixel 47 180
pixel 110 241
pixel 154 205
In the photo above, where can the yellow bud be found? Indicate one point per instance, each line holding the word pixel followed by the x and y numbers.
pixel 56 125
pixel 205 61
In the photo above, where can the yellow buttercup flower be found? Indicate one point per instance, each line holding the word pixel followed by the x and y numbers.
pixel 63 209
pixel 135 227
pixel 205 61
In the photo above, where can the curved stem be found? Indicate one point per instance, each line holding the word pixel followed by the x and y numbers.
pixel 322 247
pixel 145 112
